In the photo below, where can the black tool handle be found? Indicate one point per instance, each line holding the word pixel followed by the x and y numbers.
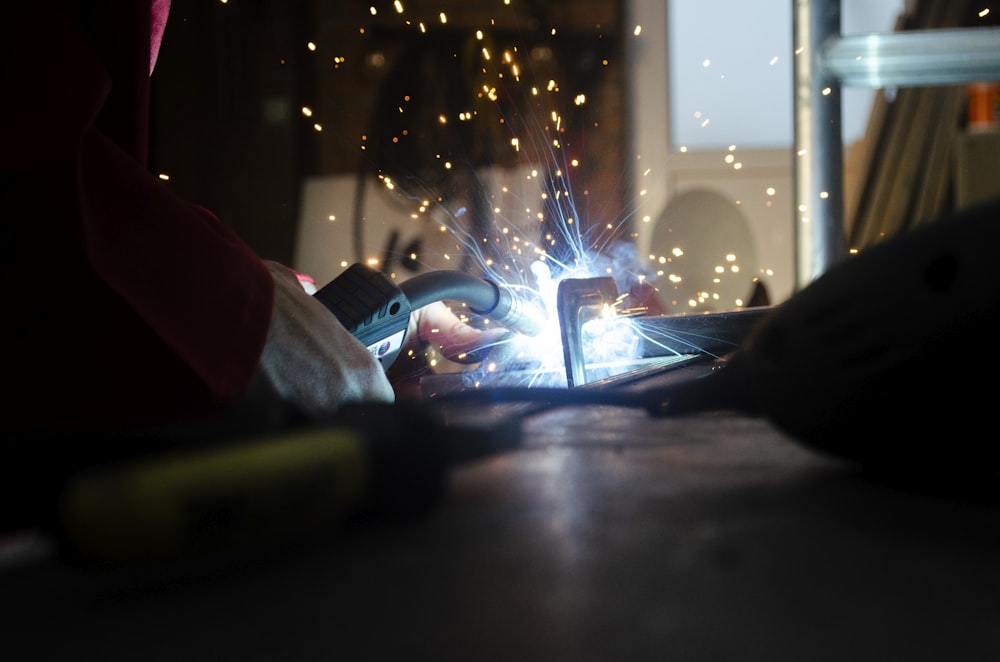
pixel 370 305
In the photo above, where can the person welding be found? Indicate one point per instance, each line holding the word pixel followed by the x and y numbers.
pixel 127 305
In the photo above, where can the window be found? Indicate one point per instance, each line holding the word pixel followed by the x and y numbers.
pixel 731 71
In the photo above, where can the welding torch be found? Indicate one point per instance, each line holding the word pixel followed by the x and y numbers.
pixel 377 311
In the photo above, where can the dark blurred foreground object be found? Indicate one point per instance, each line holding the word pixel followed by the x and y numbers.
pixel 187 492
pixel 141 305
pixel 886 358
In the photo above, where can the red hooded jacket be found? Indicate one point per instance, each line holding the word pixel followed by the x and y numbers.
pixel 125 304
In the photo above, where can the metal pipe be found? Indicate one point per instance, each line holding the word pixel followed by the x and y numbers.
pixel 819 160
pixel 914 57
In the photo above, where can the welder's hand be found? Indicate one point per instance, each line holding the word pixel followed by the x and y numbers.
pixel 309 358
pixel 436 324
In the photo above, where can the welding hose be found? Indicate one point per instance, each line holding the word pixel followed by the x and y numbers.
pixel 483 297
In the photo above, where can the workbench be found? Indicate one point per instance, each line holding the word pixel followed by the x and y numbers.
pixel 606 535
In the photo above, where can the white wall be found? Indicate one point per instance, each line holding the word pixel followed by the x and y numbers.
pixel 711 109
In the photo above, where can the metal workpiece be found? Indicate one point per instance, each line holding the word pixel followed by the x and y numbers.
pixel 577 301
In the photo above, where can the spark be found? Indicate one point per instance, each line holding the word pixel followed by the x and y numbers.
pixel 529 244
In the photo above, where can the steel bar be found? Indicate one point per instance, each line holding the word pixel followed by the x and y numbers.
pixel 913 57
pixel 819 208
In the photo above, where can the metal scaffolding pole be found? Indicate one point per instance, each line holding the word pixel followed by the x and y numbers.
pixel 939 56
pixel 818 167
pixel 824 62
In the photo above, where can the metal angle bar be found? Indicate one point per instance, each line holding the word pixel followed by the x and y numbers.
pixel 579 300
pixel 912 58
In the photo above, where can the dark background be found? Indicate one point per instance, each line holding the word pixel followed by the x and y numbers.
pixel 232 79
